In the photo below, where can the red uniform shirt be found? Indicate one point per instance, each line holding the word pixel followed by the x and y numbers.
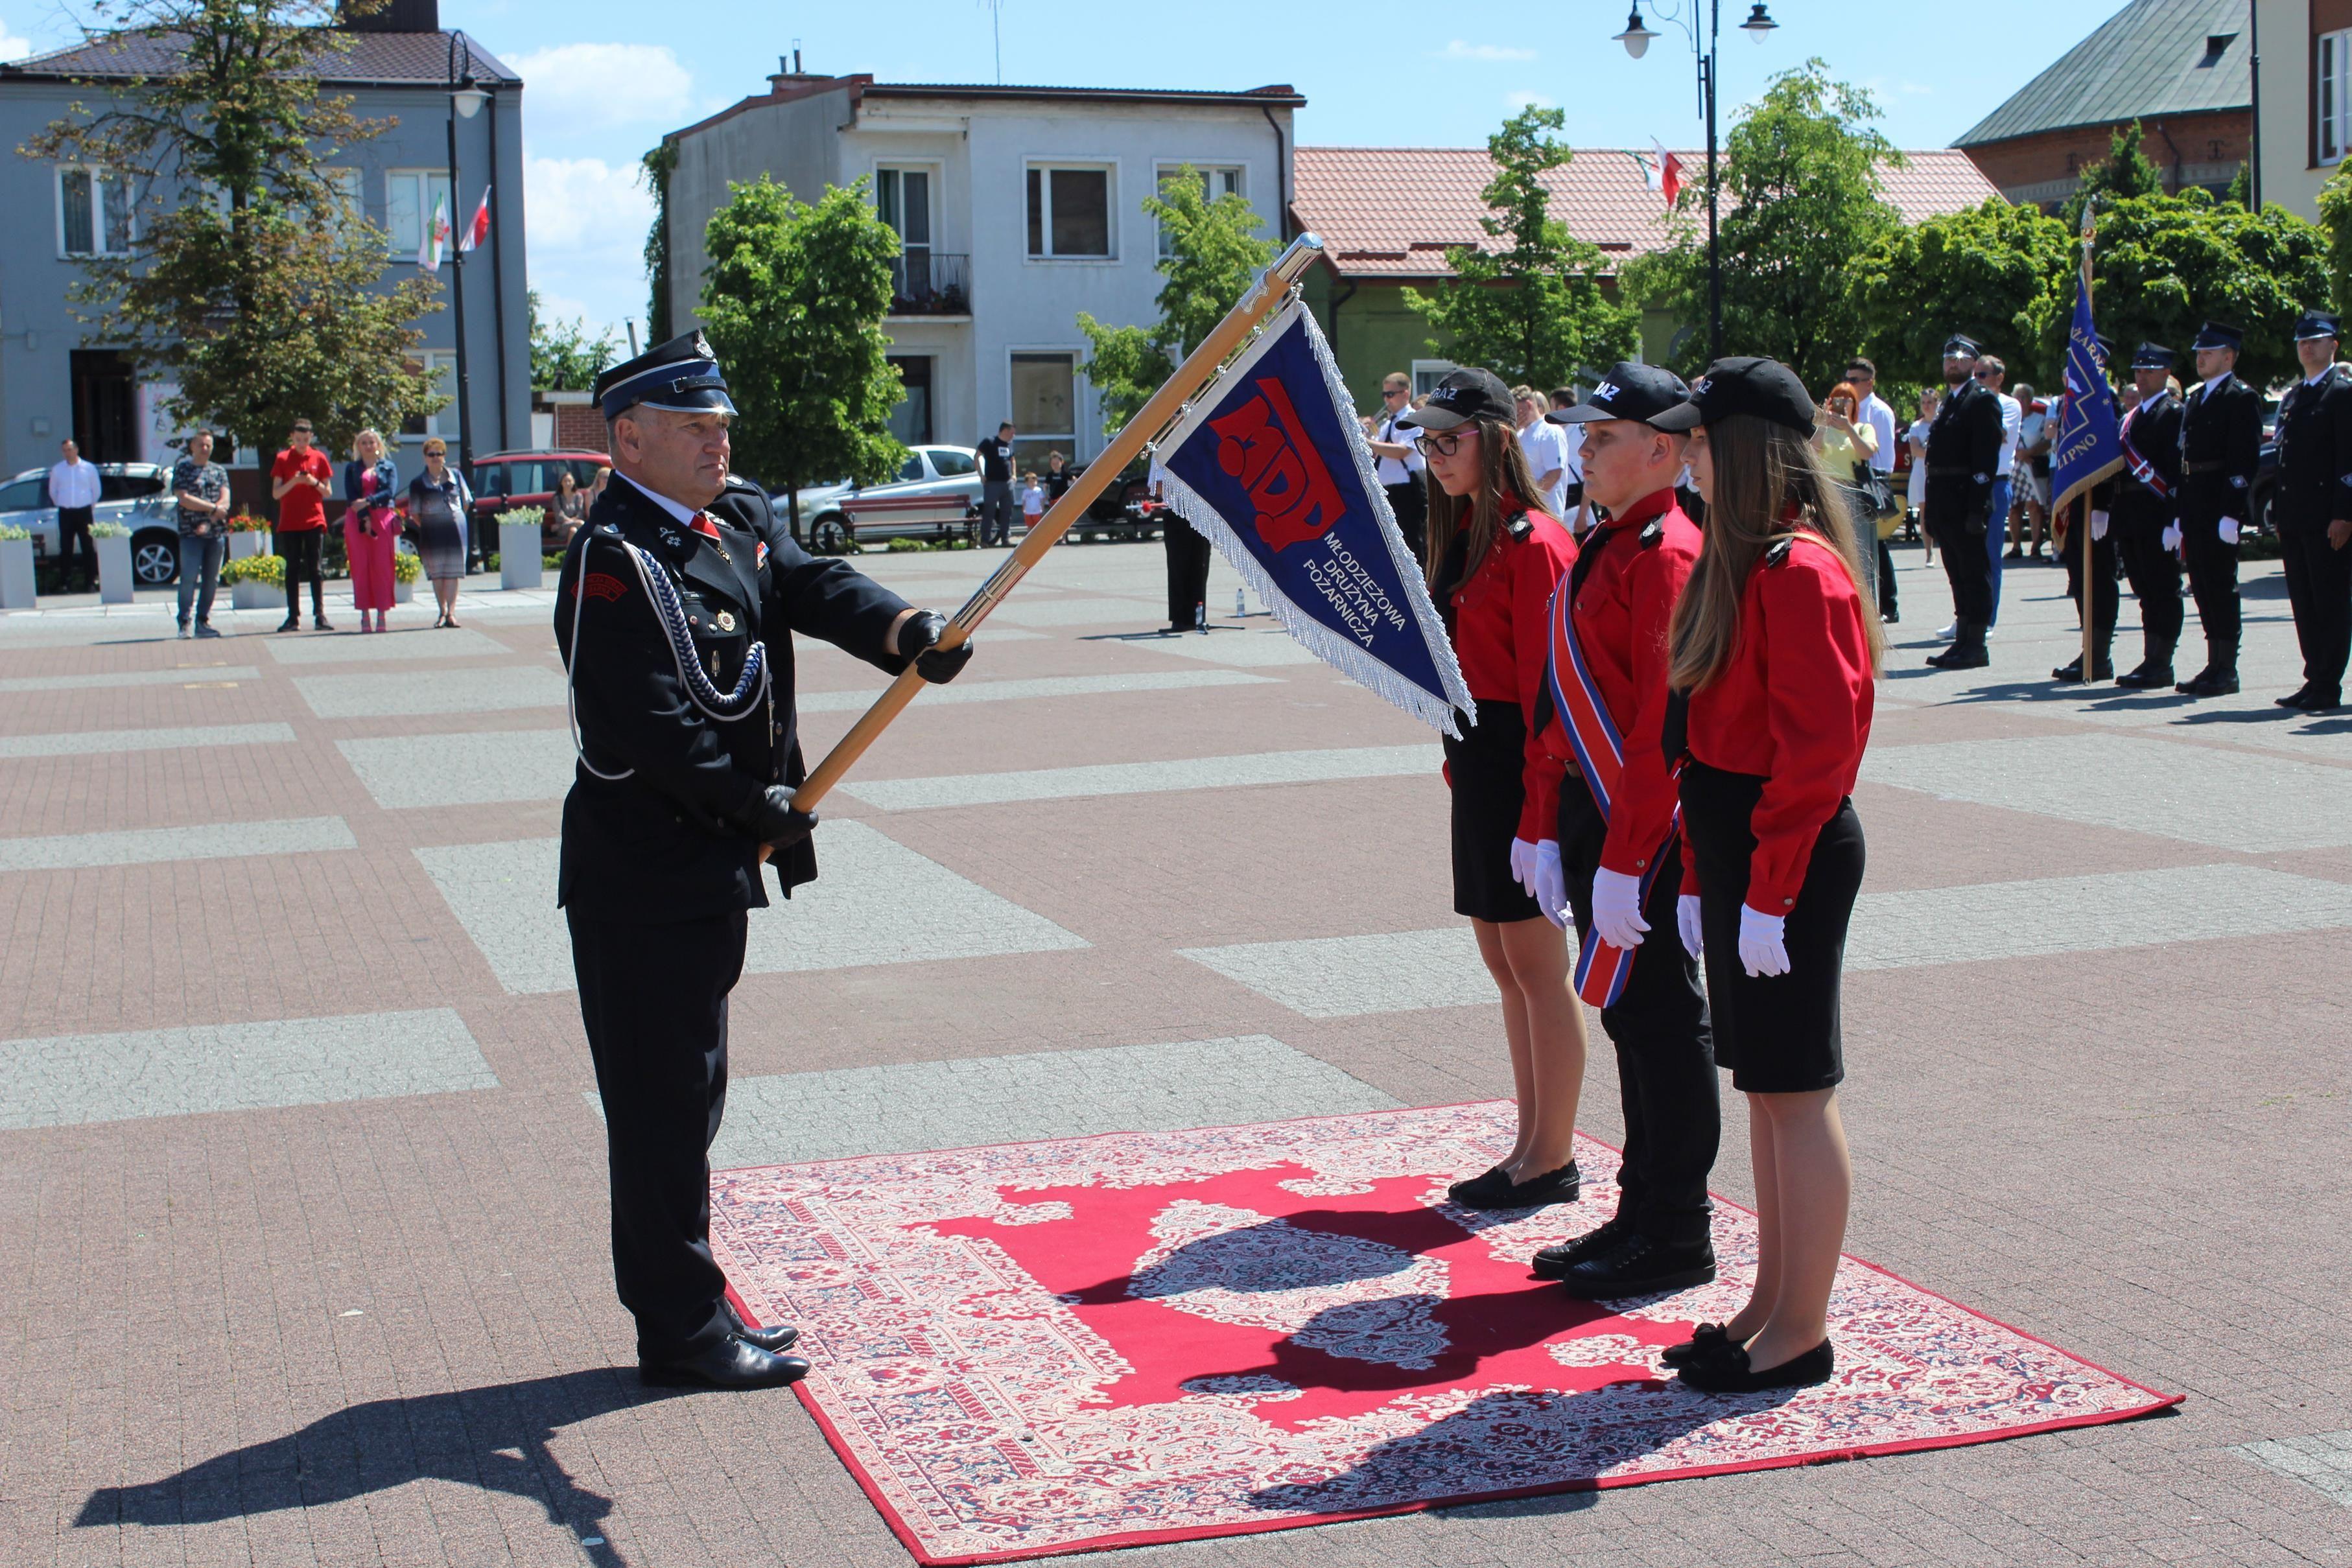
pixel 1794 705
pixel 1623 610
pixel 302 507
pixel 1499 631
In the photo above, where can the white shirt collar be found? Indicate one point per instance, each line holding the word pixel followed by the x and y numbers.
pixel 2316 378
pixel 2217 383
pixel 683 514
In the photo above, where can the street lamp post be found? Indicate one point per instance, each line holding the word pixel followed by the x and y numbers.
pixel 466 101
pixel 1636 39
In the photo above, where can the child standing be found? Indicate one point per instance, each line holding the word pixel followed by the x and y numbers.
pixel 1033 502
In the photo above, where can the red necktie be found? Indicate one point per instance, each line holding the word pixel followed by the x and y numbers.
pixel 703 525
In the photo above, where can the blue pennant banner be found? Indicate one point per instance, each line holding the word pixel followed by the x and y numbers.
pixel 2089 446
pixel 1271 466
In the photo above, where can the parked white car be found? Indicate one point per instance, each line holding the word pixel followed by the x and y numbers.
pixel 935 496
pixel 130 494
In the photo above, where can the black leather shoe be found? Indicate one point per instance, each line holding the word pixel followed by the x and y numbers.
pixel 2210 682
pixel 291 623
pixel 1961 655
pixel 2148 677
pixel 1641 1266
pixel 1706 1342
pixel 775 1339
pixel 1565 1184
pixel 1730 1374
pixel 321 623
pixel 2326 701
pixel 1470 1190
pixel 2071 672
pixel 1554 1262
pixel 732 1362
pixel 2297 698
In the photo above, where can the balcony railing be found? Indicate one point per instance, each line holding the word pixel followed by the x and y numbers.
pixel 930 282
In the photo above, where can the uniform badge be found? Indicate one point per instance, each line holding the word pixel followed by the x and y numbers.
pixel 603 585
pixel 726 621
pixel 673 539
pixel 760 557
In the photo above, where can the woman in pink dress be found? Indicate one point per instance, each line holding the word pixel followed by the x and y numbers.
pixel 370 526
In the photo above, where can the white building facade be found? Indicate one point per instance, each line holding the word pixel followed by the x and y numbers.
pixel 1017 208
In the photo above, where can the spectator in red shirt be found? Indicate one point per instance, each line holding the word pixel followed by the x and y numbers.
pixel 1493 563
pixel 299 479
pixel 1773 660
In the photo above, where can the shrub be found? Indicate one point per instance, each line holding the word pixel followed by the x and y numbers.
pixel 11 531
pixel 269 568
pixel 903 546
pixel 533 515
pixel 405 567
pixel 246 523
pixel 108 530
pixel 553 562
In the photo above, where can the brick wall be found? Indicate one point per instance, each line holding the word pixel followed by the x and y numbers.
pixel 2190 149
pixel 578 427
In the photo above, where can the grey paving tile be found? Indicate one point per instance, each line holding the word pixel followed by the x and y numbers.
pixel 1042 611
pixel 971 691
pixel 187 674
pixel 462 769
pixel 140 846
pixel 415 642
pixel 68 1079
pixel 1146 778
pixel 1251 650
pixel 787 1118
pixel 1348 977
pixel 2322 1461
pixel 372 694
pixel 100 742
pixel 877 901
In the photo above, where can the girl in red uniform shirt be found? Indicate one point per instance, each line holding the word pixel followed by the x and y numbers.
pixel 1773 659
pixel 1492 562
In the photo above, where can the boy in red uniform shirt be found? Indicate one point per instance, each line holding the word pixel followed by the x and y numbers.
pixel 1605 832
pixel 299 481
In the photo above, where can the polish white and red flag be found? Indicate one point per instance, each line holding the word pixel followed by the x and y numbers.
pixel 1666 172
pixel 479 229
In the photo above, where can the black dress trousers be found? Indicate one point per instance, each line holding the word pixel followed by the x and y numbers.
pixel 1188 571
pixel 1666 1054
pixel 2154 573
pixel 654 1001
pixel 2319 586
pixel 2213 583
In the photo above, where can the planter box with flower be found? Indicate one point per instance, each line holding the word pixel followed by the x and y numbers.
pixel 519 564
pixel 405 570
pixel 247 536
pixel 254 582
pixel 16 591
pixel 115 578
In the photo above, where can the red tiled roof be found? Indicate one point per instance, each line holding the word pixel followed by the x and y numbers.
pixel 1391 211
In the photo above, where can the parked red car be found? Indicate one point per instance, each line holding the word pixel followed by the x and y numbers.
pixel 504 480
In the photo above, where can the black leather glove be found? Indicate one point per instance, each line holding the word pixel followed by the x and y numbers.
pixel 918 636
pixel 769 818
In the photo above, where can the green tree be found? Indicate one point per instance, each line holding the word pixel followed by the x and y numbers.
pixel 1530 309
pixel 1212 253
pixel 563 357
pixel 1995 272
pixel 2127 170
pixel 792 304
pixel 249 280
pixel 654 169
pixel 1802 197
pixel 2335 227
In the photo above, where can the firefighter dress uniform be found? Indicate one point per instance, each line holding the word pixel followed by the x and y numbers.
pixel 2220 451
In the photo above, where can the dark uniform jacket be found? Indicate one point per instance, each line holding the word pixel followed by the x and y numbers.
pixel 2152 431
pixel 656 844
pixel 2315 451
pixel 2220 448
pixel 1963 450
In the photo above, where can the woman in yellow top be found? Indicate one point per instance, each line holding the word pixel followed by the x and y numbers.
pixel 1846 445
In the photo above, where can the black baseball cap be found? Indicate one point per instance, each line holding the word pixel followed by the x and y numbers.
pixel 1630 391
pixel 1464 395
pixel 1765 388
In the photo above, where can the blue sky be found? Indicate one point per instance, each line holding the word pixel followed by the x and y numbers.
pixel 601 86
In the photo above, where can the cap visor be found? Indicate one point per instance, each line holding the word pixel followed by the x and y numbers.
pixel 1430 419
pixel 694 402
pixel 1681 416
pixel 1582 413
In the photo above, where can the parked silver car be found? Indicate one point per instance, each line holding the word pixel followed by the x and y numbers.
pixel 935 496
pixel 130 494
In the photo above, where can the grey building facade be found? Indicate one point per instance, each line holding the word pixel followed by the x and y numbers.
pixel 57 379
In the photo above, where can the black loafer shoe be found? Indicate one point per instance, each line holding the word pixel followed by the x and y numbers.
pixel 291 623
pixel 1554 1262
pixel 775 1339
pixel 1641 1266
pixel 2148 678
pixel 732 1362
pixel 1707 1340
pixel 1730 1374
pixel 1565 1184
pixel 1471 1191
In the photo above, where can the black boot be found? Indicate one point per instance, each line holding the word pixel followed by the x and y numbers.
pixel 1968 649
pixel 2102 669
pixel 2155 673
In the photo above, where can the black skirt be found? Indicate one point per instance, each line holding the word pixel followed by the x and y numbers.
pixel 1488 767
pixel 1779 1033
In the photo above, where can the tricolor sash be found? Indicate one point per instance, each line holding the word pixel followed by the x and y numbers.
pixel 2141 468
pixel 1601 970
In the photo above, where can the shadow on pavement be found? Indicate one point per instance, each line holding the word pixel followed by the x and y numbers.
pixel 495 1438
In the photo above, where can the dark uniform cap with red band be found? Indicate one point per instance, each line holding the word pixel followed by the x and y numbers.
pixel 1747 384
pixel 1628 391
pixel 1464 395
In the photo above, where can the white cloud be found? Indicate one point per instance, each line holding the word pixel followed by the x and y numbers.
pixel 13 47
pixel 1515 101
pixel 587 224
pixel 573 89
pixel 1459 50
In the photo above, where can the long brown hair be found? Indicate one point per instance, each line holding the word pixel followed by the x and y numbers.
pixel 1503 471
pixel 1761 468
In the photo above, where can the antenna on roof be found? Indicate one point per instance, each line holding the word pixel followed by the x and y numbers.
pixel 996 32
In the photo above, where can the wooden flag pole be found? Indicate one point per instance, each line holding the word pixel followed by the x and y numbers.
pixel 2090 590
pixel 1155 416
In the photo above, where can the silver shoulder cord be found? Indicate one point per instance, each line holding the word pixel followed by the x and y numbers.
pixel 726 708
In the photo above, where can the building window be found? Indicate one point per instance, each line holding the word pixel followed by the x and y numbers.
pixel 1218 181
pixel 902 199
pixel 441 366
pixel 910 419
pixel 409 198
pixel 1044 405
pixel 2333 60
pixel 1427 373
pixel 1069 212
pixel 93 212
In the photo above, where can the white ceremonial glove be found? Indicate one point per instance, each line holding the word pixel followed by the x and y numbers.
pixel 1617 909
pixel 1687 922
pixel 1523 866
pixel 2228 530
pixel 1551 883
pixel 2098 525
pixel 1763 950
pixel 2171 539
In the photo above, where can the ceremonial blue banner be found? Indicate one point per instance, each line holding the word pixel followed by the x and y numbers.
pixel 1271 466
pixel 2089 445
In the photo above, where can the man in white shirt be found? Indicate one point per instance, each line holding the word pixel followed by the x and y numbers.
pixel 1401 463
pixel 73 491
pixel 1991 374
pixel 1545 449
pixel 2031 478
pixel 1572 437
pixel 1873 411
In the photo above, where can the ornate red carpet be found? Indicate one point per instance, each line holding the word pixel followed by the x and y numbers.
pixel 1155 1337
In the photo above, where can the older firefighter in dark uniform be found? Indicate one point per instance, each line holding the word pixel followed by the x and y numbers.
pixel 1963 451
pixel 2221 449
pixel 2145 515
pixel 675 615
pixel 2314 501
pixel 2098 505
